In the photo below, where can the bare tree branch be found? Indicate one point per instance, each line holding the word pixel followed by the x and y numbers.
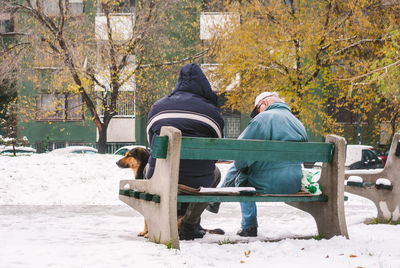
pixel 322 48
pixel 93 77
pixel 195 56
pixel 272 67
pixel 360 42
pixel 13 47
pixel 384 68
pixel 132 44
pixel 54 29
pixel 13 34
pixel 139 67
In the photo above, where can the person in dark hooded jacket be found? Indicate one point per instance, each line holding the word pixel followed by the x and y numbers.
pixel 192 108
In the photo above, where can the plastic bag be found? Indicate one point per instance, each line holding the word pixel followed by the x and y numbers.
pixel 309 181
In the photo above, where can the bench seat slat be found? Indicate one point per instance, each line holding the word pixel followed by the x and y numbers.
pixel 369 185
pixel 243 198
pixel 234 198
pixel 270 156
pixel 233 149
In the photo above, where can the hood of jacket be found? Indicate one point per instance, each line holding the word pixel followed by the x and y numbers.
pixel 192 79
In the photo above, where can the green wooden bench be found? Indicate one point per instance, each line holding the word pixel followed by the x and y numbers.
pixel 156 199
pixel 385 197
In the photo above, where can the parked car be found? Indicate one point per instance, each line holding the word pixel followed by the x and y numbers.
pixel 357 157
pixel 362 157
pixel 383 156
pixel 124 149
pixel 75 150
pixel 8 150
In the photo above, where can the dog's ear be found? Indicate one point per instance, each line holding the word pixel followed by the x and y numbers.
pixel 142 154
pixel 146 154
pixel 129 153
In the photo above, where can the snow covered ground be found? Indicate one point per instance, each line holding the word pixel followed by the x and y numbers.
pixel 63 211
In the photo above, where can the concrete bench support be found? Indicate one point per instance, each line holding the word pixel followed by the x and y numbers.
pixel 161 217
pixel 386 201
pixel 329 216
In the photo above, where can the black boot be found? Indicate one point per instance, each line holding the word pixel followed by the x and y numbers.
pixel 190 232
pixel 252 231
pixel 213 207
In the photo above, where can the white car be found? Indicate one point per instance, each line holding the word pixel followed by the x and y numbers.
pixel 75 150
pixel 362 157
pixel 8 150
pixel 124 149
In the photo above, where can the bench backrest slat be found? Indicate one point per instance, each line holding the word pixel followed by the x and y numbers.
pixel 233 149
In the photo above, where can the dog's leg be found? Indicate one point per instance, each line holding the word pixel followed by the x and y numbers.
pixel 145 232
pixel 180 222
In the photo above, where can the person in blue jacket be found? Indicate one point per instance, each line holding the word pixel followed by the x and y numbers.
pixel 272 120
pixel 192 108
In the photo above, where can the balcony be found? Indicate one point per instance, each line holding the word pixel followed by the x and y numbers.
pixel 121 27
pixel 103 76
pixel 215 23
pixel 120 130
pixel 51 7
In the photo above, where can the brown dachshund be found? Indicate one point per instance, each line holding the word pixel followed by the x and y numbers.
pixel 136 159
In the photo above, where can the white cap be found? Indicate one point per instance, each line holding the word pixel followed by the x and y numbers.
pixel 259 98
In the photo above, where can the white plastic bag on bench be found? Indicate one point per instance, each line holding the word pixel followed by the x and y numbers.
pixel 309 181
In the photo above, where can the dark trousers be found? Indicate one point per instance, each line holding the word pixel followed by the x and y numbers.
pixel 192 211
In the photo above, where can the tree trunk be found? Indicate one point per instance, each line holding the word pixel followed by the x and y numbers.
pixel 393 125
pixel 102 128
pixel 102 142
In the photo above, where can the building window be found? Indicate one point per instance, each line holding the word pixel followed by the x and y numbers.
pixel 51 8
pixel 213 5
pixel 216 23
pixel 59 107
pixel 119 6
pixel 6 23
pixel 76 7
pixel 122 26
pixel 50 107
pixel 74 107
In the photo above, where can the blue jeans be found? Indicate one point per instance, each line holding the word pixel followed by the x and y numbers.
pixel 249 214
pixel 249 209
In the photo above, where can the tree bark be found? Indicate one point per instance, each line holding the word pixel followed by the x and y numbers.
pixel 393 125
pixel 102 142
